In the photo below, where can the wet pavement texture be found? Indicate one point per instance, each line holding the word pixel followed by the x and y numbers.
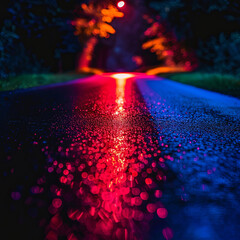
pixel 116 157
pixel 202 130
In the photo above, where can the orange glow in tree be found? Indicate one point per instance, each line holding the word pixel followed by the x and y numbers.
pixel 94 22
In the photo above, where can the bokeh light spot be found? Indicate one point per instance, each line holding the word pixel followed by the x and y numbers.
pixel 162 212
pixel 151 207
pixel 148 181
pixel 57 203
pixel 16 195
pixel 121 4
pixel 144 196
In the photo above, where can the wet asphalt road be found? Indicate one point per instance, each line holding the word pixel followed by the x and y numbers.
pixel 117 158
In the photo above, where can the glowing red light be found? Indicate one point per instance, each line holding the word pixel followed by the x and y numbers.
pixel 57 203
pixel 162 212
pixel 151 207
pixel 144 196
pixel 148 181
pixel 121 4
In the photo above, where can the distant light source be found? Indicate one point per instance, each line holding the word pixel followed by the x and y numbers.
pixel 122 76
pixel 121 4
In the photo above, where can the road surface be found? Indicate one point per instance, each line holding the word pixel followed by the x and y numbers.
pixel 120 157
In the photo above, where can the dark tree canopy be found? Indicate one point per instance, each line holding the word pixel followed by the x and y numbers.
pixel 38 36
pixel 211 28
pixel 39 31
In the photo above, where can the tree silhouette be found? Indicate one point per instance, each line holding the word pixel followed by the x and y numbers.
pixel 94 22
pixel 162 42
pixel 211 28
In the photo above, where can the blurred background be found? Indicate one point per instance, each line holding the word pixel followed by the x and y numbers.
pixel 59 36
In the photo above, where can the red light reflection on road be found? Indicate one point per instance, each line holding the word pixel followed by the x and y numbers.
pixel 121 79
pixel 108 184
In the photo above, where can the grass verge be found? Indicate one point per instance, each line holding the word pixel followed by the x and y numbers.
pixel 226 84
pixel 35 80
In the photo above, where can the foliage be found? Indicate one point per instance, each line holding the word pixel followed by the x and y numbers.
pixel 33 80
pixel 42 31
pixel 165 6
pixel 38 35
pixel 221 53
pixel 159 42
pixel 43 35
pixel 164 44
pixel 14 57
pixel 223 83
pixel 92 23
pixel 157 46
pixel 95 21
pixel 211 28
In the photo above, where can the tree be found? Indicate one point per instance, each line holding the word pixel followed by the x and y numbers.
pixel 221 53
pixel 201 25
pixel 94 22
pixel 44 33
pixel 164 44
pixel 14 58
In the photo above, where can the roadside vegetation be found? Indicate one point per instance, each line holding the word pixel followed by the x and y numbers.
pixel 35 80
pixel 222 83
